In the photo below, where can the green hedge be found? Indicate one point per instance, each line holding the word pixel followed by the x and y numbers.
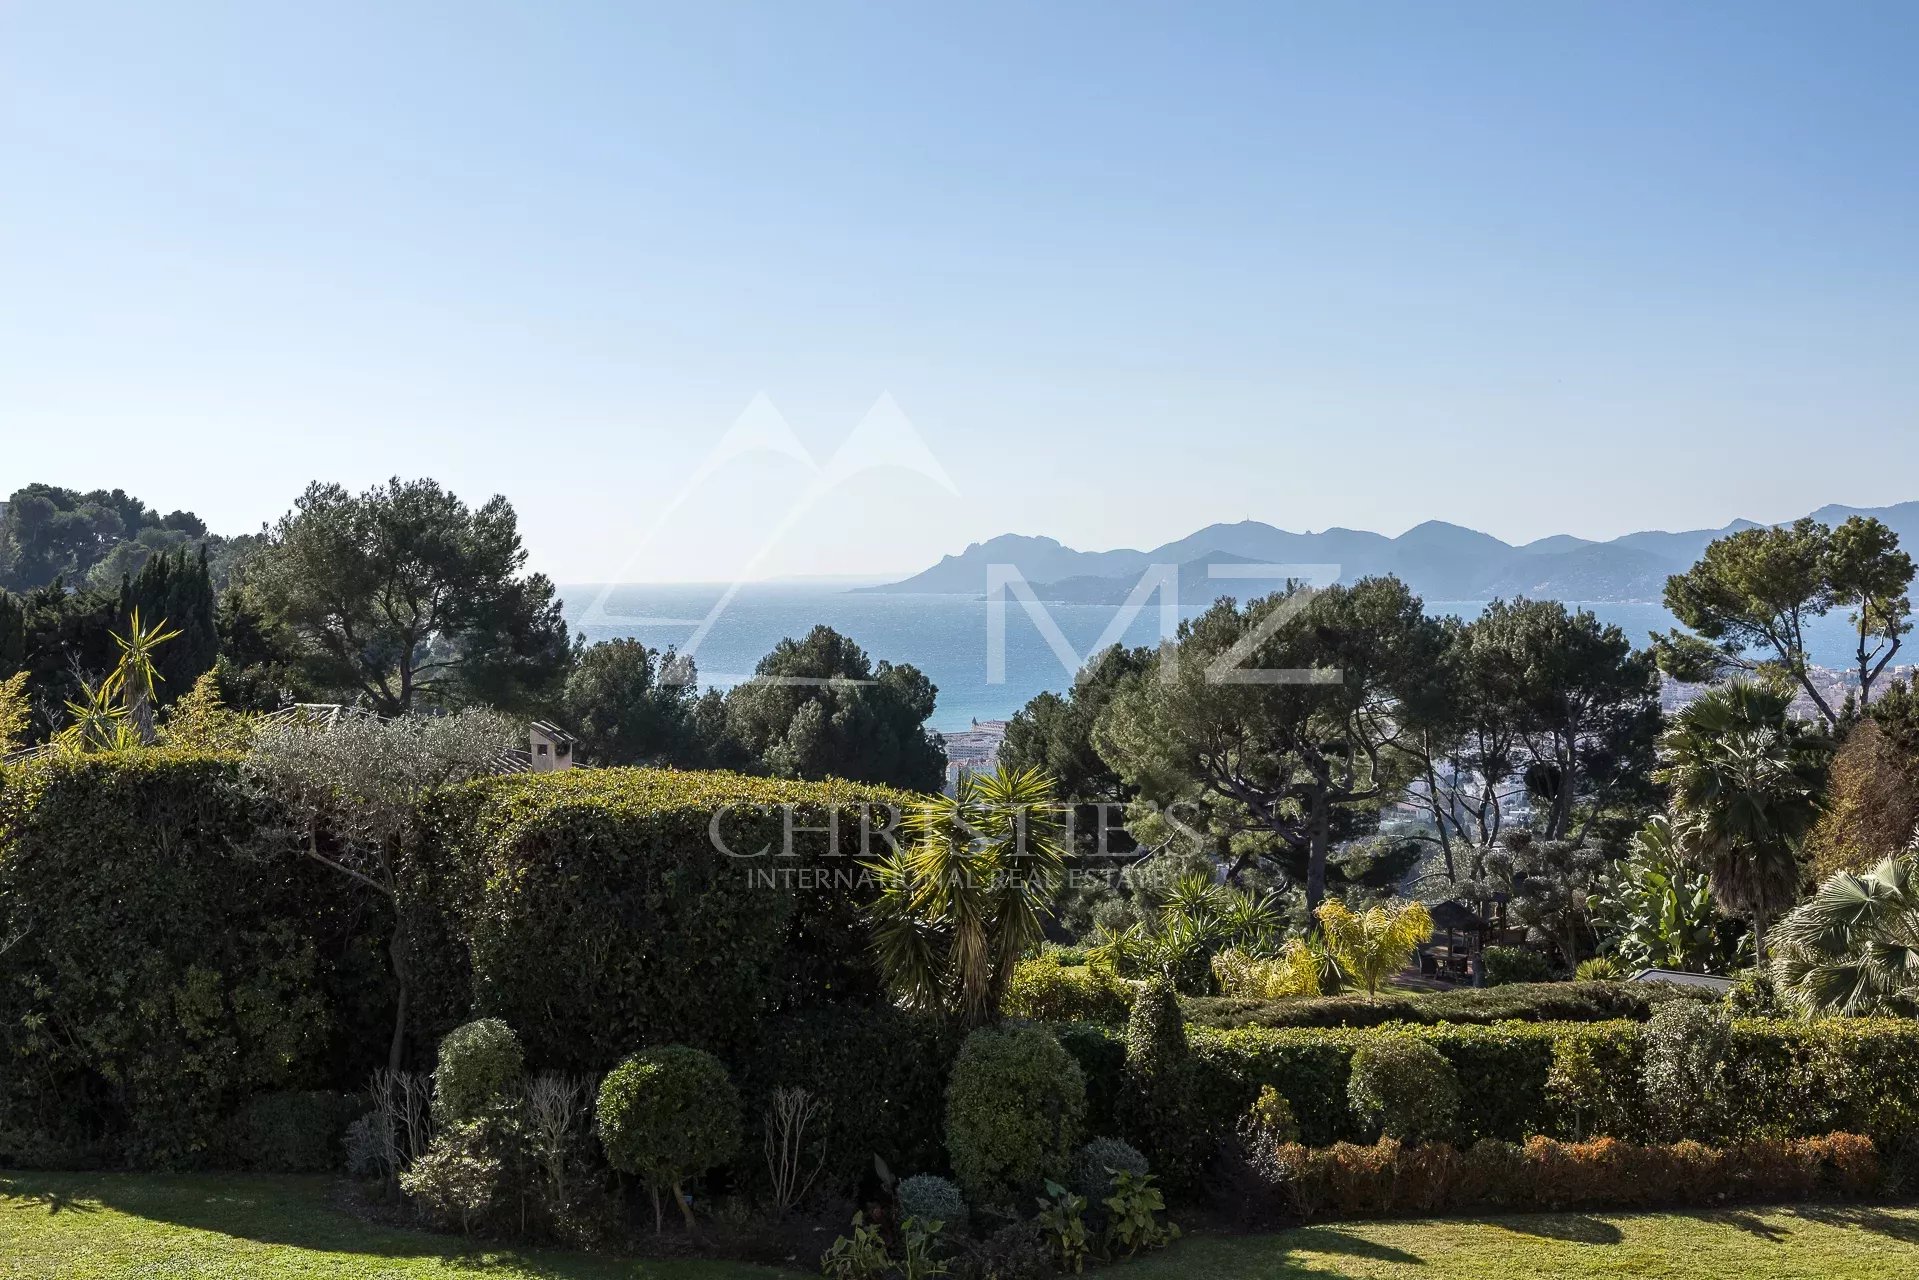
pixel 1790 1078
pixel 593 913
pixel 165 969
pixel 882 1071
pixel 1048 991
pixel 1520 1002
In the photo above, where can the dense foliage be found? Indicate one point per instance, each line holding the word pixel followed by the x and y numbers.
pixel 668 1114
pixel 160 972
pixel 1015 1110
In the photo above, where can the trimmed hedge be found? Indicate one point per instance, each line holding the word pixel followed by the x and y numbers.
pixel 1792 1078
pixel 592 911
pixel 1516 1002
pixel 165 969
pixel 1350 1181
pixel 882 1071
pixel 1047 991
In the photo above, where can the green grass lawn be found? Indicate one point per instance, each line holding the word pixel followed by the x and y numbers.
pixel 89 1226
pixel 77 1226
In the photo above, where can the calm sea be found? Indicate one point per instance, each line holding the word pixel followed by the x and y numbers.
pixel 950 638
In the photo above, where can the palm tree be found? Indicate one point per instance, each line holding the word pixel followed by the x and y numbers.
pixel 1853 947
pixel 1374 945
pixel 963 895
pixel 1745 779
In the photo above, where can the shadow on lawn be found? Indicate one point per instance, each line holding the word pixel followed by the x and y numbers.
pixel 270 1210
pixel 1336 1241
pixel 1864 1217
pixel 1576 1228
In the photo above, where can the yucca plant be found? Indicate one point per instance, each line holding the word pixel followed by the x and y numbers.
pixel 1373 945
pixel 132 681
pixel 963 896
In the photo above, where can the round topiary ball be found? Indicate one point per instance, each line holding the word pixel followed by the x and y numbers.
pixel 1014 1107
pixel 667 1114
pixel 480 1064
pixel 1404 1087
pixel 931 1199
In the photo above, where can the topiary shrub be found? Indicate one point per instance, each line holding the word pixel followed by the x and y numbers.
pixel 1158 1103
pixel 1515 964
pixel 480 1065
pixel 1095 1164
pixel 1014 1109
pixel 667 1115
pixel 931 1199
pixel 1404 1088
pixel 467 1175
pixel 294 1132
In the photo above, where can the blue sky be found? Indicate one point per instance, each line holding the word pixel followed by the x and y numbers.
pixel 1124 269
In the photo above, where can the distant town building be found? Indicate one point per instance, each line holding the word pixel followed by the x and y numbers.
pixel 973 750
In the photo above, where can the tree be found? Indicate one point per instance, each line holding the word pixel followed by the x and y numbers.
pixel 1547 884
pixel 629 704
pixel 962 896
pixel 1745 778
pixel 1279 718
pixel 94 539
pixel 352 790
pixel 1752 593
pixel 1868 574
pixel 819 708
pixel 404 595
pixel 1853 947
pixel 1373 945
pixel 1054 732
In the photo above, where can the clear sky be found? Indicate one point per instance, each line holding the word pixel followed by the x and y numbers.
pixel 1126 270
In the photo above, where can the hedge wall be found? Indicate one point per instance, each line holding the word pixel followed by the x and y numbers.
pixel 1520 1002
pixel 163 969
pixel 592 911
pixel 1787 1078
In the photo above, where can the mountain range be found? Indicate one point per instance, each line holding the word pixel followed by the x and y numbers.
pixel 1437 560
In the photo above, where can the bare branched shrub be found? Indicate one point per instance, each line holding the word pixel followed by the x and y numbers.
pixel 398 1126
pixel 559 1110
pixel 788 1117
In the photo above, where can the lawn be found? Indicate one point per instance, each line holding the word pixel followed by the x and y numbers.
pixel 90 1226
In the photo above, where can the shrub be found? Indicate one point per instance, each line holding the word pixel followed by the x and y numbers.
pixel 1158 1102
pixel 1523 1002
pixel 1515 964
pixel 931 1199
pixel 1014 1109
pixel 1405 1088
pixel 591 910
pixel 1599 969
pixel 1095 1164
pixel 1753 995
pixel 1271 1117
pixel 480 1065
pixel 164 972
pixel 668 1114
pixel 294 1132
pixel 466 1178
pixel 1685 1071
pixel 1048 991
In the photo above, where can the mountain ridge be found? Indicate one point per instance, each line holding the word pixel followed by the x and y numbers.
pixel 1437 559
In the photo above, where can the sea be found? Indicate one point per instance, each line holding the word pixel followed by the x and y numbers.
pixel 986 667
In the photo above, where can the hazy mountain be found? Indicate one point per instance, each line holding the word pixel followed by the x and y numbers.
pixel 1438 560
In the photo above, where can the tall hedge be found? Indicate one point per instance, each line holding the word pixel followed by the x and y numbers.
pixel 593 912
pixel 164 967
